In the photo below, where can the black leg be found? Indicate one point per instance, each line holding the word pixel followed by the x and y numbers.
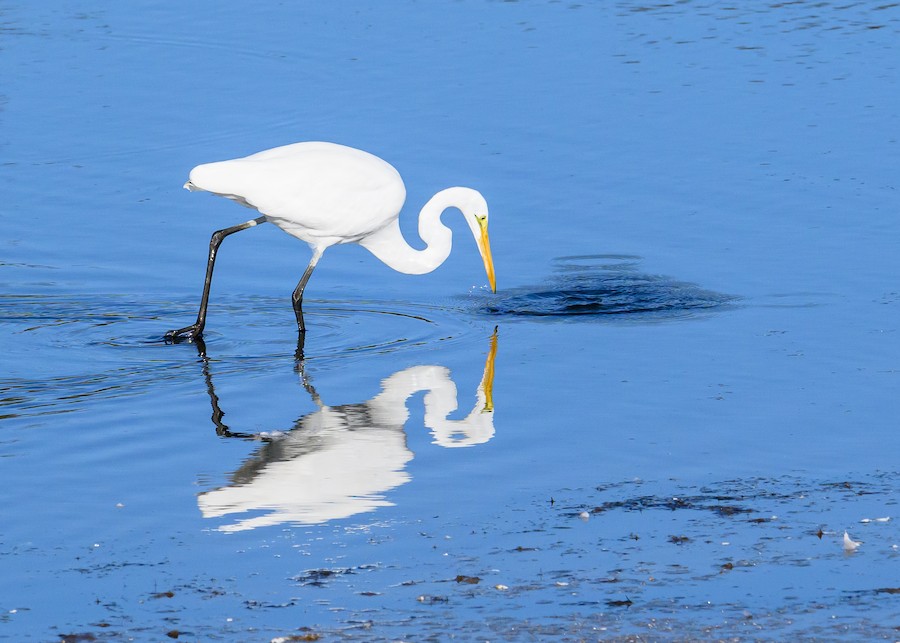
pixel 297 297
pixel 190 333
pixel 299 354
pixel 217 412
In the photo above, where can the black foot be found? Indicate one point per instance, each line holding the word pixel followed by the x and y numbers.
pixel 187 334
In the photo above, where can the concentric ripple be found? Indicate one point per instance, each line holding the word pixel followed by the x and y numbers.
pixel 68 350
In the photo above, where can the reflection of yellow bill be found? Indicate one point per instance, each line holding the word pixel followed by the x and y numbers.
pixel 487 382
pixel 484 246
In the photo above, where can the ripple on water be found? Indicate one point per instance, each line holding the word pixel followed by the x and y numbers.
pixel 69 350
pixel 605 285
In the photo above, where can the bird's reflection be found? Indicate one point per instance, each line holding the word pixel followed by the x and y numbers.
pixel 339 461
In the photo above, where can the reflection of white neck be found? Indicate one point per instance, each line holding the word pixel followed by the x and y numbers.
pixel 338 461
pixel 440 401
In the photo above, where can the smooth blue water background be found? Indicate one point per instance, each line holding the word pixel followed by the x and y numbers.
pixel 752 151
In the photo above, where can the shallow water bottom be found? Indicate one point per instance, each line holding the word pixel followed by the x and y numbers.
pixel 739 559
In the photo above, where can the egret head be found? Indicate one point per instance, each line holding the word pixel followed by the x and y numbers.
pixel 475 211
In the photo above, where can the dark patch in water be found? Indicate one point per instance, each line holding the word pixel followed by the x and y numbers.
pixel 703 503
pixel 318 577
pixel 605 285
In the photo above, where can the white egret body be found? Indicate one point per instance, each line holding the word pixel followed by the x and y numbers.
pixel 326 194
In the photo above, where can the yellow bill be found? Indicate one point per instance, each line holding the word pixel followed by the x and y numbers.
pixel 487 381
pixel 484 246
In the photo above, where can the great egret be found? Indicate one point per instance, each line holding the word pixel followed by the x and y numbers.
pixel 326 194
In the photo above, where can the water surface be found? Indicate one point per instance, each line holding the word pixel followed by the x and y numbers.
pixel 683 394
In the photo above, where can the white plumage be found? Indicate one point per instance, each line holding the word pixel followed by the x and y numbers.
pixel 326 194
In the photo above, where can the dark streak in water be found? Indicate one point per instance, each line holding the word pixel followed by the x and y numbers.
pixel 606 285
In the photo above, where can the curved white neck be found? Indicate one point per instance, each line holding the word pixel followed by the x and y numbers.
pixel 390 247
pixel 388 408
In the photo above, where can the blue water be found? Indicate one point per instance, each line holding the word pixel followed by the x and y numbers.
pixel 694 219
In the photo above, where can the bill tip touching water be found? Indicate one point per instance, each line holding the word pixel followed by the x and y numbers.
pixel 327 194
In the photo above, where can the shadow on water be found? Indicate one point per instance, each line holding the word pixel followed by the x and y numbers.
pixel 338 461
pixel 606 285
